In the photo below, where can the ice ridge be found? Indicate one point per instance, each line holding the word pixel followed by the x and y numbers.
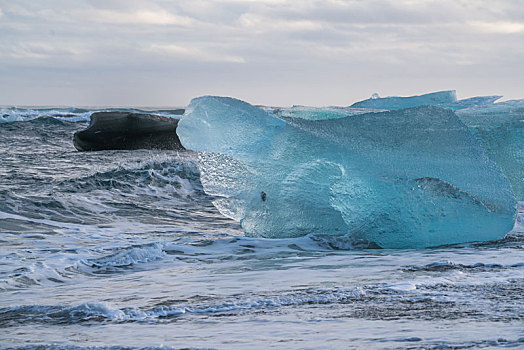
pixel 444 99
pixel 397 102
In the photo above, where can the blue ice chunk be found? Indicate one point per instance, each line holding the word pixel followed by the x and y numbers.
pixel 499 128
pixel 249 127
pixel 396 102
pixel 402 179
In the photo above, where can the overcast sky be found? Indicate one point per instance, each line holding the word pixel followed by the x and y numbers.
pixel 272 52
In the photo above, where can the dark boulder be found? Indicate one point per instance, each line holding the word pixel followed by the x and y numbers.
pixel 128 131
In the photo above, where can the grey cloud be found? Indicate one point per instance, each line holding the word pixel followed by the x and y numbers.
pixel 273 52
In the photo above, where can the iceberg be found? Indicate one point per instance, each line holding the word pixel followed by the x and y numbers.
pixel 412 178
pixel 444 99
pixel 499 128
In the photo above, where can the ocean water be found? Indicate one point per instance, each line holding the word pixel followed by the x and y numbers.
pixel 124 249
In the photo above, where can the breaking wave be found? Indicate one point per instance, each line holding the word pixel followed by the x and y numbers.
pixel 73 114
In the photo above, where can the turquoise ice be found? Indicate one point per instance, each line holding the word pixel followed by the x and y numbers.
pixel 499 128
pixel 400 179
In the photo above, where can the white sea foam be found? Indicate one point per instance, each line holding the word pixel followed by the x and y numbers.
pixel 34 274
pixel 97 309
pixel 128 256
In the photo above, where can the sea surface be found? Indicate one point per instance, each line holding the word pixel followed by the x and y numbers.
pixel 123 249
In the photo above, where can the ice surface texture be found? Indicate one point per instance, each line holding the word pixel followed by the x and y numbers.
pixel 401 179
pixel 500 130
pixel 499 127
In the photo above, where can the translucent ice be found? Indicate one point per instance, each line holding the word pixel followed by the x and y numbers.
pixel 444 99
pixel 500 129
pixel 498 126
pixel 402 179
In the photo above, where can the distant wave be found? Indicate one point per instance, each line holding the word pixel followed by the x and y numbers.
pixel 73 114
pixel 373 302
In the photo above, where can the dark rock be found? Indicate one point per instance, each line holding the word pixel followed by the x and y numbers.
pixel 128 131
